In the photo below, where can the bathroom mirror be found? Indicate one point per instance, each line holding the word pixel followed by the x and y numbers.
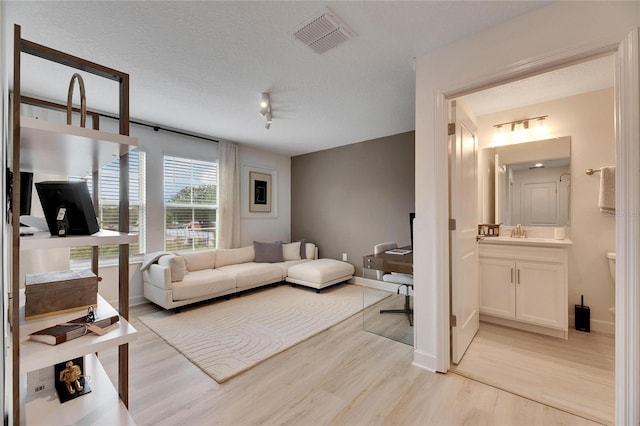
pixel 527 183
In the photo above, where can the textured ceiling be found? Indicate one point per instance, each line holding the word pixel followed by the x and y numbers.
pixel 584 77
pixel 200 66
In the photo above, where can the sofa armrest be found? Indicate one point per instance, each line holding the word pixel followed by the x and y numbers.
pixel 159 276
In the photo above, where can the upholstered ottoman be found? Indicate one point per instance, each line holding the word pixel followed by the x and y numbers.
pixel 320 273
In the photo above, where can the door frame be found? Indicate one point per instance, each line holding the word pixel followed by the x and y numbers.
pixel 627 131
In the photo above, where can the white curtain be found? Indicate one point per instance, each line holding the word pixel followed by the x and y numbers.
pixel 229 196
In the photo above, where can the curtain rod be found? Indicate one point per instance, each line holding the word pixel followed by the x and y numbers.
pixel 53 105
pixel 157 128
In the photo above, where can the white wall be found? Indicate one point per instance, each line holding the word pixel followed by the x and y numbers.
pixel 265 226
pixel 589 120
pixel 539 40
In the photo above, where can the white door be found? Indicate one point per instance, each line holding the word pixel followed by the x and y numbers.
pixel 465 289
pixel 540 204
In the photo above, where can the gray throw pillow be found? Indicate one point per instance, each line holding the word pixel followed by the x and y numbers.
pixel 268 252
pixel 303 254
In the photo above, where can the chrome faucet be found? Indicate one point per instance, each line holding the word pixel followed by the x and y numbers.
pixel 518 232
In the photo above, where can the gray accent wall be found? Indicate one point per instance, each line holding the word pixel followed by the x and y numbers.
pixel 348 199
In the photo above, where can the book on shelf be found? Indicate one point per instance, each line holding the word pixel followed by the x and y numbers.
pixel 70 330
pixel 398 251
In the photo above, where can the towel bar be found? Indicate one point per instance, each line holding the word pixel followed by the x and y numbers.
pixel 592 171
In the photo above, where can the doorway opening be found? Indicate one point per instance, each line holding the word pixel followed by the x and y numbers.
pixel 580 369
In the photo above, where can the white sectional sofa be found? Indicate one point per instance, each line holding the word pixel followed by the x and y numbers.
pixel 173 280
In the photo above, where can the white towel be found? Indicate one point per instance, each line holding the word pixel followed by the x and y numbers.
pixel 151 258
pixel 607 198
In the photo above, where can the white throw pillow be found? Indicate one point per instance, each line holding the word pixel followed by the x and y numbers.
pixel 176 265
pixel 310 250
pixel 291 251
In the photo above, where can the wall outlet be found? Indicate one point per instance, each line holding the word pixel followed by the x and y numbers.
pixel 344 257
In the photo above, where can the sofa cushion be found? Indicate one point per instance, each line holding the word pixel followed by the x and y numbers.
pixel 291 251
pixel 199 260
pixel 252 274
pixel 176 265
pixel 202 283
pixel 309 251
pixel 233 256
pixel 289 263
pixel 268 252
pixel 320 271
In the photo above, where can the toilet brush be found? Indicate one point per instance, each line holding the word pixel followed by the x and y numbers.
pixel 583 316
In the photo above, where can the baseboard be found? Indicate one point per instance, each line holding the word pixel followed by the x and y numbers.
pixel 380 285
pixel 553 332
pixel 137 300
pixel 607 327
pixel 424 361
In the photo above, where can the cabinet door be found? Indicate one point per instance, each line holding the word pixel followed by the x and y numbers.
pixel 540 294
pixel 497 287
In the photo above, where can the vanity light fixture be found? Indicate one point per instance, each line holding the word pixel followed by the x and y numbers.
pixel 524 122
pixel 519 129
pixel 265 109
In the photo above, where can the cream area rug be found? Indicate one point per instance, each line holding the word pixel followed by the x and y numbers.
pixel 228 337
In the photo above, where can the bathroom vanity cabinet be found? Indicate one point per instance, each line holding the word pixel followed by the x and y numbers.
pixel 525 287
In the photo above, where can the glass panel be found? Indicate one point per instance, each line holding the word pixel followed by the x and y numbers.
pixel 393 326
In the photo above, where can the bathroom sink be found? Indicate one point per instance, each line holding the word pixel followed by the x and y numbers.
pixel 530 241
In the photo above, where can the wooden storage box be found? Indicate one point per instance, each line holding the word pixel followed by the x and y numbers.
pixel 53 293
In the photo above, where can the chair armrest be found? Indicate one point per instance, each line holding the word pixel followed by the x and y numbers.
pixel 159 276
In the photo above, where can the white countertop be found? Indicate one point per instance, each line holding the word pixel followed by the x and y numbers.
pixel 533 241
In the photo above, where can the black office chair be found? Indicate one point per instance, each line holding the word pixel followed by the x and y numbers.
pixel 403 280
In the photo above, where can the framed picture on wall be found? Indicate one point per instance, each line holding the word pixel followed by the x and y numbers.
pixel 260 192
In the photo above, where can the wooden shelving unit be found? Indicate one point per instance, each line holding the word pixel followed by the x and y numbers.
pixel 101 406
pixel 36 355
pixel 64 150
pixel 50 147
pixel 44 240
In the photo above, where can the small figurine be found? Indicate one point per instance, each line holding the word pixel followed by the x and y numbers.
pixel 71 376
pixel 91 316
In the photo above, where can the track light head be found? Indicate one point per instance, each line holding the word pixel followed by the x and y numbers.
pixel 265 109
pixel 265 104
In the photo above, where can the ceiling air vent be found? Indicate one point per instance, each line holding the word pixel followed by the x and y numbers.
pixel 324 31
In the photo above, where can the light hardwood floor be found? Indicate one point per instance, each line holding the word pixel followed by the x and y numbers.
pixel 576 375
pixel 342 376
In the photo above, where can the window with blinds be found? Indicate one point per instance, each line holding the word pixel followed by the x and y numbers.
pixel 190 203
pixel 109 201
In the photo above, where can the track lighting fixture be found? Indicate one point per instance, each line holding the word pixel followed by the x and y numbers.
pixel 520 129
pixel 265 109
pixel 524 122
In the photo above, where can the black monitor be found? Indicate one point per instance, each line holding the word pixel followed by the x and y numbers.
pixel 67 208
pixel 26 186
pixel 411 217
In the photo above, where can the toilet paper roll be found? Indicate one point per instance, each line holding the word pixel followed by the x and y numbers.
pixel 558 233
